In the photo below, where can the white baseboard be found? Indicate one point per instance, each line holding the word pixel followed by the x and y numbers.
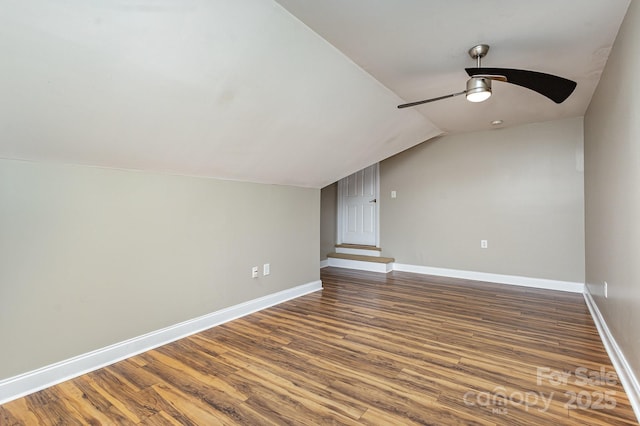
pixel 573 287
pixel 33 381
pixel 569 286
pixel 625 373
pixel 360 265
pixel 324 263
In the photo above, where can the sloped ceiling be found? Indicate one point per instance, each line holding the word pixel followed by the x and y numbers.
pixel 418 49
pixel 229 89
pixel 243 89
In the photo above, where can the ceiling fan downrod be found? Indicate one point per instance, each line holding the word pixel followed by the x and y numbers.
pixel 478 52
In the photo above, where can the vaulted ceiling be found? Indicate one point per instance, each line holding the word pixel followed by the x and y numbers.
pixel 418 49
pixel 295 92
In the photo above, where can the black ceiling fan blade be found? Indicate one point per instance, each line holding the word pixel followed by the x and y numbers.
pixel 410 104
pixel 556 88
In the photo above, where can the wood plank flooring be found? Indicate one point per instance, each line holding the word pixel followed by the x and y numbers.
pixel 376 349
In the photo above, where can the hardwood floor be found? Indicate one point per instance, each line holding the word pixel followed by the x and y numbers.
pixel 369 349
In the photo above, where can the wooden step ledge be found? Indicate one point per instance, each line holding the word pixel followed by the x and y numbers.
pixel 358 247
pixel 362 258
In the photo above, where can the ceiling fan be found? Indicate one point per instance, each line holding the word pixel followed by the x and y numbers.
pixel 479 85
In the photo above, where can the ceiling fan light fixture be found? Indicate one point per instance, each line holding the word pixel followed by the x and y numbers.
pixel 478 89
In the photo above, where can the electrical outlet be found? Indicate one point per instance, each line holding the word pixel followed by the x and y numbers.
pixel 266 269
pixel 254 272
pixel 484 244
pixel 393 194
pixel 606 290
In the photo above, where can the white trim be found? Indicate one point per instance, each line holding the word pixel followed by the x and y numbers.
pixel 542 283
pixel 573 287
pixel 340 206
pixel 625 373
pixel 360 265
pixel 33 381
pixel 378 205
pixel 324 263
pixel 361 252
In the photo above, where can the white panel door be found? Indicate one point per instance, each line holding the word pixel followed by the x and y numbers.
pixel 359 210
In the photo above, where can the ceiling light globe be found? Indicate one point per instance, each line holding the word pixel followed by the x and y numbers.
pixel 478 89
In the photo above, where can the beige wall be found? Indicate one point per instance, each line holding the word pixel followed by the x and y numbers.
pixel 328 219
pixel 612 190
pixel 520 188
pixel 91 257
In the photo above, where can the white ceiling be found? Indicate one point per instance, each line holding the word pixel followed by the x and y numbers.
pixel 241 89
pixel 418 49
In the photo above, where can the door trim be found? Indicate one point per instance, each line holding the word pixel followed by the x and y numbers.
pixel 340 207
